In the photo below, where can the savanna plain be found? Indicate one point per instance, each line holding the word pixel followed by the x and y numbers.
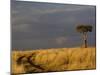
pixel 53 60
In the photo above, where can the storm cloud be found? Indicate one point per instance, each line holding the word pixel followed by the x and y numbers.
pixel 37 25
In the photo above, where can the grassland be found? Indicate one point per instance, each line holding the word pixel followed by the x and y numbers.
pixel 48 60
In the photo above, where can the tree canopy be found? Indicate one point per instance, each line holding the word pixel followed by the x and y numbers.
pixel 84 28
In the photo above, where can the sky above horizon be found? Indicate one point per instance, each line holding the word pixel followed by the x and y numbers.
pixel 38 25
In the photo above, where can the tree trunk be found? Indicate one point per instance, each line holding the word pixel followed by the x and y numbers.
pixel 85 43
pixel 85 40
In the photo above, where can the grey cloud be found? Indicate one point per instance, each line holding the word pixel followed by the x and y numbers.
pixel 39 25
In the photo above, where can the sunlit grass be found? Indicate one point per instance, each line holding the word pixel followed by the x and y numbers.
pixel 59 59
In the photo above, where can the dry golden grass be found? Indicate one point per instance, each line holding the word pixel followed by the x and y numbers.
pixel 60 59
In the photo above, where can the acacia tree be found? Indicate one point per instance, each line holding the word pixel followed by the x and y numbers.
pixel 84 29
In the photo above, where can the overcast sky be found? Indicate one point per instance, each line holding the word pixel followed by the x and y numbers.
pixel 49 25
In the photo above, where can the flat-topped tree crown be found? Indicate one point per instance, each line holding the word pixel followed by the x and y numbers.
pixel 84 29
